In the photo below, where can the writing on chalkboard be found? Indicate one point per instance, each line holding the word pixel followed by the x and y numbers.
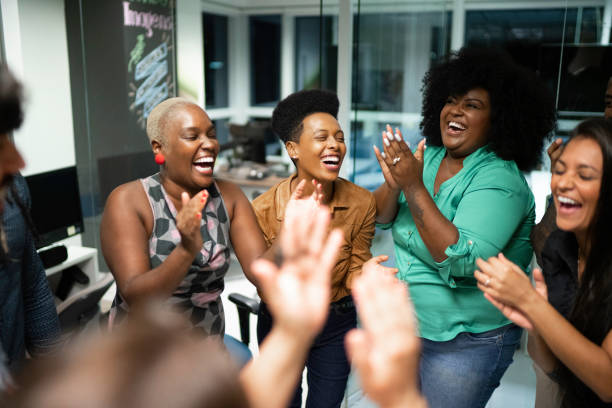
pixel 148 45
pixel 146 19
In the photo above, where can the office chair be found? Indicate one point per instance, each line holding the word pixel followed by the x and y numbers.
pixel 239 350
pixel 76 311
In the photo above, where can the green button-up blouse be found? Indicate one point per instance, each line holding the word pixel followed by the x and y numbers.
pixel 493 208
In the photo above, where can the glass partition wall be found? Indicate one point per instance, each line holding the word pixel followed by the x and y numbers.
pixel 396 42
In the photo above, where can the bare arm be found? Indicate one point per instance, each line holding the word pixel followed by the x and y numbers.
pixel 590 362
pixel 124 231
pixel 246 236
pixel 540 352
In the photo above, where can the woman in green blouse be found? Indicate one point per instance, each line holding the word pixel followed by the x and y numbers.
pixel 484 120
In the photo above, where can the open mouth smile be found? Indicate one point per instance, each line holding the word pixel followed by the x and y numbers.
pixel 204 165
pixel 331 162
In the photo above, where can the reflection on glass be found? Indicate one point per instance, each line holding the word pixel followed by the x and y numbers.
pixel 215 60
pixel 316 52
pixel 392 54
pixel 265 59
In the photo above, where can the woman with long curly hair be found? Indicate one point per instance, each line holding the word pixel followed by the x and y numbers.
pixel 569 312
pixel 484 120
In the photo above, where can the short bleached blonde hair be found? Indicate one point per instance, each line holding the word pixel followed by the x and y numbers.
pixel 158 118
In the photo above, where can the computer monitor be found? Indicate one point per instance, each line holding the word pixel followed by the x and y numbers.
pixel 56 205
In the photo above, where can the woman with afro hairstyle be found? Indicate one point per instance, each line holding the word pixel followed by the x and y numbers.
pixel 484 120
pixel 306 122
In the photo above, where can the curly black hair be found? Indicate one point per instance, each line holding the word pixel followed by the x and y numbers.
pixel 522 108
pixel 11 97
pixel 290 112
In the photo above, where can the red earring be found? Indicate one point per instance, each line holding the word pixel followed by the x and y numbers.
pixel 160 159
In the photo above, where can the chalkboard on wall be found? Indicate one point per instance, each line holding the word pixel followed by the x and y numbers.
pixel 122 62
pixel 147 40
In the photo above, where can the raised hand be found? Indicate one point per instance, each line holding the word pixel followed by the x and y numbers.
pixel 504 281
pixel 554 152
pixel 506 286
pixel 405 168
pixel 374 265
pixel 385 351
pixel 188 220
pixel 385 170
pixel 298 294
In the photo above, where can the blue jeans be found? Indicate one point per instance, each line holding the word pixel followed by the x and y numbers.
pixel 464 372
pixel 327 363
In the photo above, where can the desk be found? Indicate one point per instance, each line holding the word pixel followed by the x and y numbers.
pixel 251 187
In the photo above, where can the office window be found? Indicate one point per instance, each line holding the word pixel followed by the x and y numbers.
pixel 561 46
pixel 393 54
pixel 316 52
pixel 265 35
pixel 215 60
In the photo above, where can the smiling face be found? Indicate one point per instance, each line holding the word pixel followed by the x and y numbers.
pixel 465 121
pixel 190 148
pixel 575 184
pixel 321 149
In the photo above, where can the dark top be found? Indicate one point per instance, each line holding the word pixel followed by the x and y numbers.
pixel 28 320
pixel 560 268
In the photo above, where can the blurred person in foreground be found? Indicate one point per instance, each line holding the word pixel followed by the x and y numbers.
pixel 152 362
pixel 28 319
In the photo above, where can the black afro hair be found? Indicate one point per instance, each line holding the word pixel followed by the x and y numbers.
pixel 522 108
pixel 290 112
pixel 11 96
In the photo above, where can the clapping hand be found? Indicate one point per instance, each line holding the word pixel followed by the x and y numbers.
pixel 188 220
pixel 554 152
pixel 401 168
pixel 507 287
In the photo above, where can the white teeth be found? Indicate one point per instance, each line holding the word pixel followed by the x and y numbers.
pixel 333 159
pixel 456 124
pixel 203 160
pixel 566 200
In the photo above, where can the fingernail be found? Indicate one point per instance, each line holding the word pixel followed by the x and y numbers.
pixel 374 147
pixel 389 135
pixel 397 136
pixel 386 141
pixel 198 215
pixel 384 156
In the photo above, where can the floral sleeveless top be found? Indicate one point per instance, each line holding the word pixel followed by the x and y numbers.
pixel 198 296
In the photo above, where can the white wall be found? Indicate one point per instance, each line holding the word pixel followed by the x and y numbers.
pixel 37 51
pixel 189 50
